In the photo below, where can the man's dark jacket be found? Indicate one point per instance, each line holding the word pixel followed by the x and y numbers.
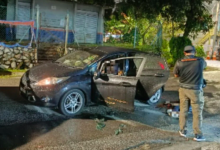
pixel 190 72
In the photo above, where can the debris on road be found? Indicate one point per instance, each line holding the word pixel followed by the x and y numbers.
pixel 100 123
pixel 172 108
pixel 120 129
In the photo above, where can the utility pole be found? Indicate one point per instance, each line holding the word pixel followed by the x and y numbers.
pixel 67 32
pixel 135 34
pixel 37 32
pixel 215 30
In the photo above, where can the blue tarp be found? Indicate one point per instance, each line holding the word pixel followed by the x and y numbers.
pixel 53 36
pixel 15 45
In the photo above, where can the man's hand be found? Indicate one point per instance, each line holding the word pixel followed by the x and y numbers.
pixel 176 75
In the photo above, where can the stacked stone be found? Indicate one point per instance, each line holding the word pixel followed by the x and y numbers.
pixel 11 58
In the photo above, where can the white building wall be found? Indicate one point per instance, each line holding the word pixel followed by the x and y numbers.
pixel 53 15
pixel 10 10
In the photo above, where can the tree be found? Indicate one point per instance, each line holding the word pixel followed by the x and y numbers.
pixel 171 29
pixel 177 45
pixel 114 26
pixel 127 23
pixel 3 2
pixel 190 15
pixel 143 25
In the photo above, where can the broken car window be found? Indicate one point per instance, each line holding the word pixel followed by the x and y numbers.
pixel 78 59
pixel 122 67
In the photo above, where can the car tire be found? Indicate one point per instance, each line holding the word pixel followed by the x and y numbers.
pixel 72 103
pixel 155 98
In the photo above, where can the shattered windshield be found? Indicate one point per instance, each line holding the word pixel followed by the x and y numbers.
pixel 78 59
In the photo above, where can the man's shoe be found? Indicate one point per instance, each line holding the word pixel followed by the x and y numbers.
pixel 199 138
pixel 183 133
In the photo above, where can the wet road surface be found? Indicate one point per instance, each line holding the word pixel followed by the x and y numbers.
pixel 25 126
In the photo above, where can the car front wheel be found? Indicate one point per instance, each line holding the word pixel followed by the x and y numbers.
pixel 72 103
pixel 155 98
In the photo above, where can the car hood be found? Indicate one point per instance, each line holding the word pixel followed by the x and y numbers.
pixel 52 70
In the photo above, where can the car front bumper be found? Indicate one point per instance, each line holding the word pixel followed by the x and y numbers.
pixel 40 95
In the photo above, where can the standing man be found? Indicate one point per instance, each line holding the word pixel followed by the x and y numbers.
pixel 190 73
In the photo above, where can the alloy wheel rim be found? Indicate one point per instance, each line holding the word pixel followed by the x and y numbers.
pixel 73 103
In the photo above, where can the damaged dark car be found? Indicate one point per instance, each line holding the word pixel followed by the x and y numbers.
pixel 103 75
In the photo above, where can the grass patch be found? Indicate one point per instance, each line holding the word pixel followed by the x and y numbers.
pixel 122 45
pixel 7 76
pixel 211 69
pixel 146 48
pixel 16 70
pixel 10 72
pixel 206 69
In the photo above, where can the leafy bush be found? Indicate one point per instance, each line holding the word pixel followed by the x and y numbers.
pixel 129 37
pixel 177 45
pixel 166 52
pixel 148 48
pixel 200 51
pixel 111 40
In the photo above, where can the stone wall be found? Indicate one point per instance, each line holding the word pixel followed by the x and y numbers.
pixel 15 58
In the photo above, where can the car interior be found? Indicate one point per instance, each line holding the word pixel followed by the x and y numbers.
pixel 122 67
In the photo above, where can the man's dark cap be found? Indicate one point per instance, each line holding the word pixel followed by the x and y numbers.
pixel 189 48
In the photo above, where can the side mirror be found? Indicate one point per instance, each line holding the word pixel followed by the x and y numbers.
pixel 97 74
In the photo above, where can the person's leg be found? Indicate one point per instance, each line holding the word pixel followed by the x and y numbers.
pixel 183 110
pixel 197 103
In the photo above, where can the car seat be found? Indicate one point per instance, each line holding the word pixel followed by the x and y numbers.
pixel 112 69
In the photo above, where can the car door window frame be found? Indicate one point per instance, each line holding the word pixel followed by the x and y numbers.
pixel 109 56
pixel 125 58
pixel 100 61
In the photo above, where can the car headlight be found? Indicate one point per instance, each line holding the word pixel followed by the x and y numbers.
pixel 51 81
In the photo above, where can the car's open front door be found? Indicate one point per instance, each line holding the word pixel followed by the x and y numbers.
pixel 117 82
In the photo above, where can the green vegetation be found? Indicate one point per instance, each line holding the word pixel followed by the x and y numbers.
pixel 7 76
pixel 191 16
pixel 177 45
pixel 200 51
pixel 6 73
pixel 100 123
pixel 15 70
pixel 146 48
pixel 120 129
pixel 211 69
pixel 179 19
pixel 3 3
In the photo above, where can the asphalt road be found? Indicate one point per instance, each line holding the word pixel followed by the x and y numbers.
pixel 25 126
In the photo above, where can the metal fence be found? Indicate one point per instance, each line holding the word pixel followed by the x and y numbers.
pixel 45 31
pixel 50 32
pixel 15 32
pixel 135 40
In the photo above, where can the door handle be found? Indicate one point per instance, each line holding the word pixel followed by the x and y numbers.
pixel 125 84
pixel 159 75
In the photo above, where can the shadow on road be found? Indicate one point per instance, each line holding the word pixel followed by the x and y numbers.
pixel 16 135
pixel 12 93
pixel 20 125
